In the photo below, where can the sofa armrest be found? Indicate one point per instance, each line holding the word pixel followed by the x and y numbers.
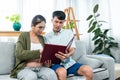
pixel 108 64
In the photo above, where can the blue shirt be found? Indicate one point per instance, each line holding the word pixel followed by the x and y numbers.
pixel 62 38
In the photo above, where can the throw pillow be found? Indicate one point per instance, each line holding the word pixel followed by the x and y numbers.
pixel 80 49
pixel 94 63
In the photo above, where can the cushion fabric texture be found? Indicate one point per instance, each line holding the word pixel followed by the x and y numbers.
pixel 94 63
pixel 80 56
pixel 6 57
pixel 80 50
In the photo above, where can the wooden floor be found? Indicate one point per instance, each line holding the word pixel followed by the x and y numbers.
pixel 117 71
pixel 118 78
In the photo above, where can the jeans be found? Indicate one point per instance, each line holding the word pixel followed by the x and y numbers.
pixel 37 73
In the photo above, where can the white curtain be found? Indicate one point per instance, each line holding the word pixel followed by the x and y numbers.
pixel 109 12
pixel 104 10
pixel 7 8
pixel 34 7
pixel 115 16
pixel 108 9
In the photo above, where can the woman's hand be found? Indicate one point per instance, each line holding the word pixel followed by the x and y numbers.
pixel 48 63
pixel 41 50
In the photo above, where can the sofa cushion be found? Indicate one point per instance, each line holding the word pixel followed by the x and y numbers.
pixel 6 77
pixel 76 78
pixel 80 49
pixel 102 75
pixel 94 63
pixel 6 57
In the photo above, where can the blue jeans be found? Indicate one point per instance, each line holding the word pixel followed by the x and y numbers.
pixel 37 73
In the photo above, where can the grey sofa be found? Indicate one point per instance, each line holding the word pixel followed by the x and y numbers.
pixel 100 64
pixel 116 53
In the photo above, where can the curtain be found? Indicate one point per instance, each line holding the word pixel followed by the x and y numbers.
pixel 7 8
pixel 108 10
pixel 32 8
pixel 115 16
pixel 115 24
pixel 104 10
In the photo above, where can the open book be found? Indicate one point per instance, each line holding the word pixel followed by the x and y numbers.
pixel 50 50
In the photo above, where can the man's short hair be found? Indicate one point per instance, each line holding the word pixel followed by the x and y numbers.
pixel 59 14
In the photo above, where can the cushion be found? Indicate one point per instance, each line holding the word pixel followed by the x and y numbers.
pixel 6 57
pixel 76 78
pixel 94 63
pixel 116 54
pixel 6 77
pixel 80 49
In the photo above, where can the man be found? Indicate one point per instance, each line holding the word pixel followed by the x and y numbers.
pixel 62 37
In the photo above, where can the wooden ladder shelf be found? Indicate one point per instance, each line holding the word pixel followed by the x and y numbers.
pixel 70 14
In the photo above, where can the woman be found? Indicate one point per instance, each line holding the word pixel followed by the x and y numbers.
pixel 28 49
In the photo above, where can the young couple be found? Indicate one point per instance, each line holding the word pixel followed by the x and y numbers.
pixel 30 46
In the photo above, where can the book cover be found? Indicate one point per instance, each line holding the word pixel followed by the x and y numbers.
pixel 50 50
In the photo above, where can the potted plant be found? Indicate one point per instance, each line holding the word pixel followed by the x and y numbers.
pixel 15 18
pixel 71 25
pixel 103 43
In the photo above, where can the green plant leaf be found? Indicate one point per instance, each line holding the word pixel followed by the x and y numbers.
pixel 102 41
pixel 97 31
pixel 64 27
pixel 102 21
pixel 111 55
pixel 100 52
pixel 72 25
pixel 97 41
pixel 97 15
pixel 7 17
pixel 111 38
pixel 95 9
pixel 91 22
pixel 107 51
pixel 89 17
pixel 14 18
pixel 97 49
pixel 102 35
pixel 94 23
pixel 113 44
pixel 95 37
pixel 100 45
pixel 99 25
pixel 105 32
pixel 91 29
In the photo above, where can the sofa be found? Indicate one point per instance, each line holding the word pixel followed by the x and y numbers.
pixel 103 67
pixel 116 53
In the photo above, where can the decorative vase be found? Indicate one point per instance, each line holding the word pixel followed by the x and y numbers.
pixel 16 26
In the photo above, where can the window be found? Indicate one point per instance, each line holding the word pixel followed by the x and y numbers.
pixel 7 7
pixel 27 9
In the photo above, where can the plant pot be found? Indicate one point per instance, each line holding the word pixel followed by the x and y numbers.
pixel 16 26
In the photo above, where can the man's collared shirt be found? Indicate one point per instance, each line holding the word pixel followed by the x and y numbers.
pixel 62 38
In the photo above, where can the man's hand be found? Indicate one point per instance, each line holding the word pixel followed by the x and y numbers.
pixel 61 55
